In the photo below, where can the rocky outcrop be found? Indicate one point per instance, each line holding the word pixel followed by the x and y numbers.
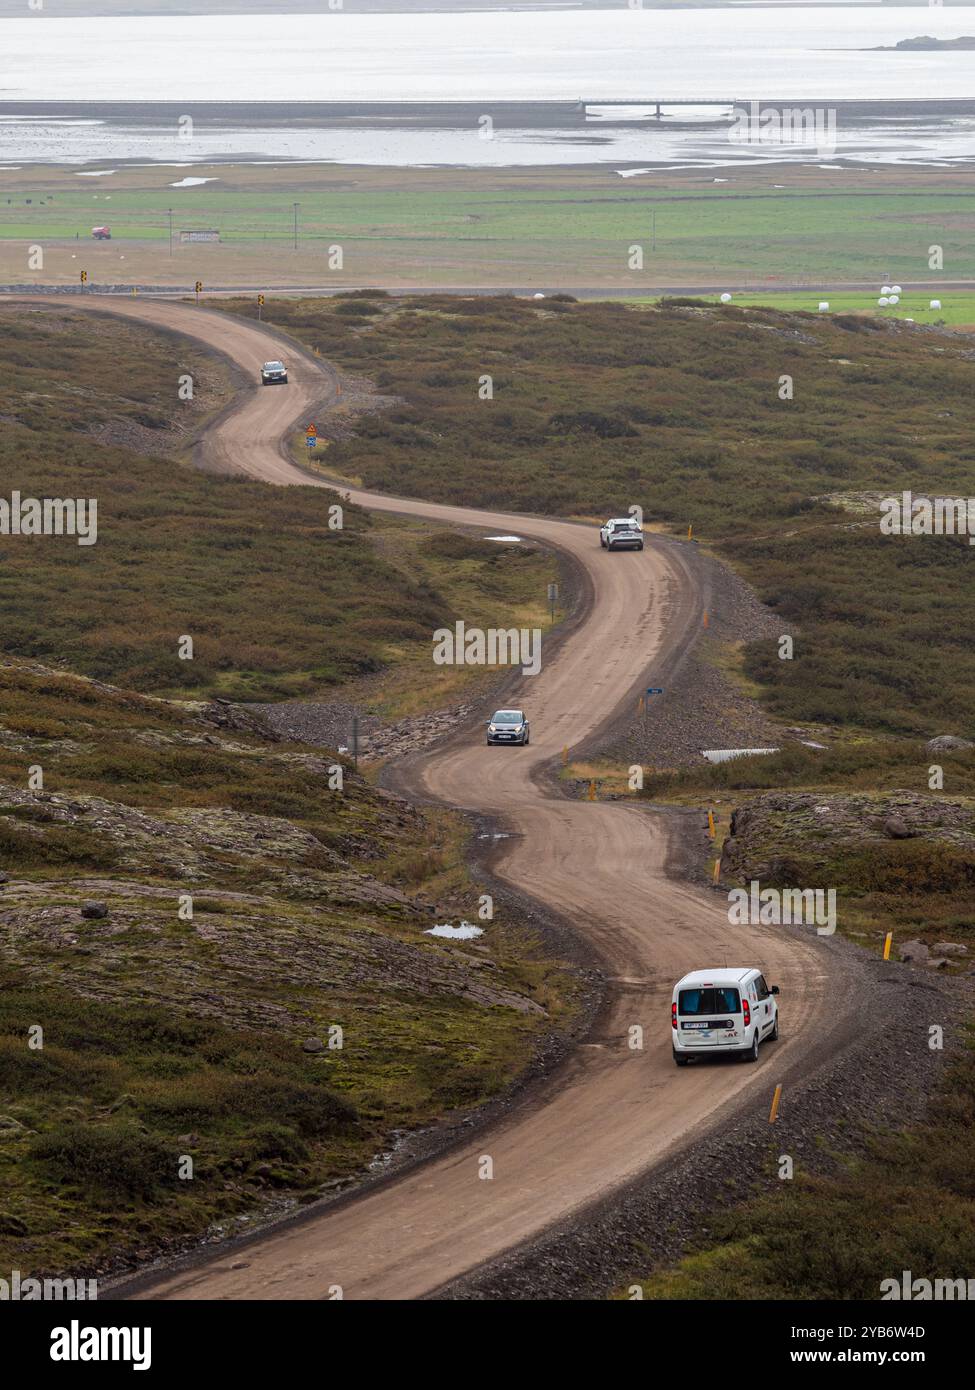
pixel 948 743
pixel 776 827
pixel 915 952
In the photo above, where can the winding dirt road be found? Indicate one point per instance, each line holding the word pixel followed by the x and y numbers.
pixel 610 1113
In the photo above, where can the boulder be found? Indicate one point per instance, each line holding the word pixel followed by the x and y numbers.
pixel 950 948
pixel 947 743
pixel 897 827
pixel 313 1045
pixel 915 951
pixel 95 910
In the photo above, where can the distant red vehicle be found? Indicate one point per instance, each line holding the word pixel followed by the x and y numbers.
pixel 101 233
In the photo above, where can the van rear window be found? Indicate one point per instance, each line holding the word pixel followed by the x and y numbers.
pixel 713 1000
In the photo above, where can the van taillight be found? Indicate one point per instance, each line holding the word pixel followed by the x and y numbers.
pixel 748 1015
pixel 673 1015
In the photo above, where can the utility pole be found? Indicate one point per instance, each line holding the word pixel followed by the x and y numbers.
pixel 296 207
pixel 170 231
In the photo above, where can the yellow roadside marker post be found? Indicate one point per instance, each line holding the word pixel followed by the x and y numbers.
pixel 711 824
pixel 773 1113
pixel 591 794
pixel 565 756
pixel 887 940
pixel 690 533
pixel 717 871
pixel 705 619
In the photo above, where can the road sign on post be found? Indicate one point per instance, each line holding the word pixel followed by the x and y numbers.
pixel 651 690
pixel 199 290
pixel 553 598
pixel 260 307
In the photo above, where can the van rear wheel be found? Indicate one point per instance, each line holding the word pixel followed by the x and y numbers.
pixel 751 1055
pixel 681 1061
pixel 775 1029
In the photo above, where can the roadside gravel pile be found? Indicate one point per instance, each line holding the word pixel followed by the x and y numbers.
pixel 330 726
pixel 326 725
pixel 700 707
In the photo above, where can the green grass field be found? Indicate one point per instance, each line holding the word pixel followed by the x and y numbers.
pixel 957 306
pixel 564 226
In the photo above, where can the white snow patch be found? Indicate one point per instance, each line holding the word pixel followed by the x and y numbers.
pixel 502 538
pixel 464 932
pixel 192 180
pixel 724 755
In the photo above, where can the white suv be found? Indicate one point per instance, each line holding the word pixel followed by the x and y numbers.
pixel 621 533
pixel 726 1010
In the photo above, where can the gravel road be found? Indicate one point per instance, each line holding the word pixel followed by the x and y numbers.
pixel 610 1112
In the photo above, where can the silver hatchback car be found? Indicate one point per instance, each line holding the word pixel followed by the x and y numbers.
pixel 508 726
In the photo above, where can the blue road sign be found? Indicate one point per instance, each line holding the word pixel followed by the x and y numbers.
pixel 311 440
pixel 654 690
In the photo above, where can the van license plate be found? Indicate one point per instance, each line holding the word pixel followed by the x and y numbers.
pixel 698 1027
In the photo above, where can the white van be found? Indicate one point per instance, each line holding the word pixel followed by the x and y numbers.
pixel 726 1010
